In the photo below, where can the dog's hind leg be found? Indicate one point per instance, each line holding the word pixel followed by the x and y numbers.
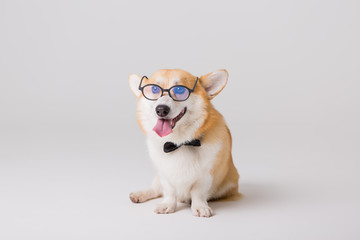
pixel 153 192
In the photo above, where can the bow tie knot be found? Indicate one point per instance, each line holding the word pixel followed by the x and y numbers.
pixel 170 146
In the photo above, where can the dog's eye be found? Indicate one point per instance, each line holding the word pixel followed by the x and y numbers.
pixel 179 93
pixel 179 90
pixel 155 89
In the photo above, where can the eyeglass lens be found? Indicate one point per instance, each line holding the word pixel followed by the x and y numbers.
pixel 152 92
pixel 177 93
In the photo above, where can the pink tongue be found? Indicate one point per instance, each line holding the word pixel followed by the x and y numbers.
pixel 163 127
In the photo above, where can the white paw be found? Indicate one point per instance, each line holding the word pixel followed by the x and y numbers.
pixel 164 208
pixel 202 211
pixel 138 197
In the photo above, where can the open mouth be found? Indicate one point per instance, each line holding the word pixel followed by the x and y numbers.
pixel 177 118
pixel 164 127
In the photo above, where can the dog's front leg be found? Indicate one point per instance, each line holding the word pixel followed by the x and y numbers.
pixel 153 192
pixel 168 205
pixel 199 204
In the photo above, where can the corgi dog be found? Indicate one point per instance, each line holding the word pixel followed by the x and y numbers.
pixel 187 138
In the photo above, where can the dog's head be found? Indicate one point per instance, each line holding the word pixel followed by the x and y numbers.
pixel 173 104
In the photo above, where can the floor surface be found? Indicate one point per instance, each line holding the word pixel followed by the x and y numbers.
pixel 79 190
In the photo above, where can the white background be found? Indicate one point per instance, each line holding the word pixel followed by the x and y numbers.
pixel 71 150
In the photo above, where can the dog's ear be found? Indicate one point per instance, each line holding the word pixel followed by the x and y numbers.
pixel 134 81
pixel 214 82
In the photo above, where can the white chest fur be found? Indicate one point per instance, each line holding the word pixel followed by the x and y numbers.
pixel 185 166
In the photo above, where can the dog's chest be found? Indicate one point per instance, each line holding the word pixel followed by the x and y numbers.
pixel 185 165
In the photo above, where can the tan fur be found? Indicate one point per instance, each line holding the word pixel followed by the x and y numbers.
pixel 215 129
pixel 223 171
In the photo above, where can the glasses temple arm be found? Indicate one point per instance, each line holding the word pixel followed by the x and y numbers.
pixel 197 78
pixel 141 81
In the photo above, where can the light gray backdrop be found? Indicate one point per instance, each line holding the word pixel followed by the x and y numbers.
pixel 71 151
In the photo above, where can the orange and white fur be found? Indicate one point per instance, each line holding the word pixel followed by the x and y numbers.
pixel 189 174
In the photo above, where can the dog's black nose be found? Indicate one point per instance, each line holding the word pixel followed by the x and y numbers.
pixel 162 110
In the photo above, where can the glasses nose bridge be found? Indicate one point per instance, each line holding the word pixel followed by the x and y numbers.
pixel 166 91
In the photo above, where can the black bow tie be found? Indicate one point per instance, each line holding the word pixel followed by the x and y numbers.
pixel 170 146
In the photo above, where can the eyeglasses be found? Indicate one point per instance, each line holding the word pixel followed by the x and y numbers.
pixel 177 93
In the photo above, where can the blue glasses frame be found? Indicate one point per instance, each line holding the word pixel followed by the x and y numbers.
pixel 165 90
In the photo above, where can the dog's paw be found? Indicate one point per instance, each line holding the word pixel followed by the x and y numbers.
pixel 202 211
pixel 164 208
pixel 138 197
